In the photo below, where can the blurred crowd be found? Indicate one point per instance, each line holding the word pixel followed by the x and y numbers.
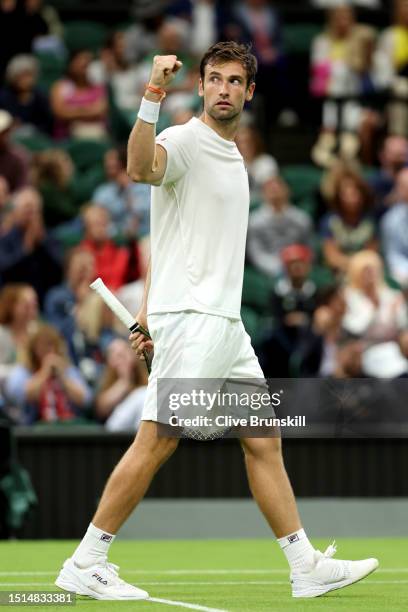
pixel 326 282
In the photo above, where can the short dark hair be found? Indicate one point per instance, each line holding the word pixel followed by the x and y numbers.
pixel 231 51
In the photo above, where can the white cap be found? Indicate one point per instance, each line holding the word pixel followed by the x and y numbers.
pixel 6 120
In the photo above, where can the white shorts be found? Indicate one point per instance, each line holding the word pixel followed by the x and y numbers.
pixel 192 344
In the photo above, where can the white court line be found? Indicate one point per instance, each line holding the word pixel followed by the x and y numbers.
pixel 183 604
pixel 200 583
pixel 215 572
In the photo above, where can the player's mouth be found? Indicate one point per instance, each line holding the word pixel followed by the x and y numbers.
pixel 223 104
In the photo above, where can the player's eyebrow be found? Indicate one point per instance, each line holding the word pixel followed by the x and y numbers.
pixel 231 76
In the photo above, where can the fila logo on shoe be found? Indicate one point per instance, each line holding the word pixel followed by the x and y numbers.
pixel 105 537
pixel 100 579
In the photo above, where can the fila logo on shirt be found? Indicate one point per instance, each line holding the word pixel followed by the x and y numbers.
pixel 293 538
pixel 106 537
pixel 100 579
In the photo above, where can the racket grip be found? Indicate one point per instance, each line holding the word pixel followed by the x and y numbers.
pixel 139 328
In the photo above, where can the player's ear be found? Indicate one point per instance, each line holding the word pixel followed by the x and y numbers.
pixel 250 92
pixel 200 87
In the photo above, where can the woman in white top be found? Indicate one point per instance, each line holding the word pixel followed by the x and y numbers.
pixel 375 312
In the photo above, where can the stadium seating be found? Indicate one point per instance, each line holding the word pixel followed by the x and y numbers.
pixel 52 67
pixel 84 35
pixel 304 182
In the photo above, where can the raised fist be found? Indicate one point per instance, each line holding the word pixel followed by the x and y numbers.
pixel 164 70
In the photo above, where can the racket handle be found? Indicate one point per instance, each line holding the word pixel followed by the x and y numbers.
pixel 139 328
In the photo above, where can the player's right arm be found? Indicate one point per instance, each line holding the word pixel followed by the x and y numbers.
pixel 146 160
pixel 139 342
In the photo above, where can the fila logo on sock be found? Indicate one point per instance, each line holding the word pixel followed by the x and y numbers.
pixel 98 577
pixel 293 538
pixel 105 537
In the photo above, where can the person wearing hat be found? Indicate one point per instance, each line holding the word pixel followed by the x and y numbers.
pixel 13 159
pixel 293 302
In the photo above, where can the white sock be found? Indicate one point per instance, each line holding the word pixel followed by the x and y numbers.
pixel 298 550
pixel 93 547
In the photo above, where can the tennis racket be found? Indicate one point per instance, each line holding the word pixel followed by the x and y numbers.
pixel 123 315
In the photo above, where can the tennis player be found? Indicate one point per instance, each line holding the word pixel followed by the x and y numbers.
pixel 192 301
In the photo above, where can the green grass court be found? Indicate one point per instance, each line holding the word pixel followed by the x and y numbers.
pixel 235 575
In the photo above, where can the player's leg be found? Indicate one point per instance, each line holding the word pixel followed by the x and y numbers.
pixel 132 476
pixel 312 572
pixel 88 572
pixel 269 484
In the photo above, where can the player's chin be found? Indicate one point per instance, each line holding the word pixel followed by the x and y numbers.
pixel 224 112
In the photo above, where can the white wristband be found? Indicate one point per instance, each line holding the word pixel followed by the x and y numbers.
pixel 149 111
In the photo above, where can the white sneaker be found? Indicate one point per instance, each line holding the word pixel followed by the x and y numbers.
pixel 329 574
pixel 100 581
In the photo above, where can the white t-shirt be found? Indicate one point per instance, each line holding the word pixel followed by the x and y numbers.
pixel 199 219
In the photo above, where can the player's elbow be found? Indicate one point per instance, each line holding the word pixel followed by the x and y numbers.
pixel 134 174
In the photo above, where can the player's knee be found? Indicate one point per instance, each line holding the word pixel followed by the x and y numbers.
pixel 154 449
pixel 168 446
pixel 262 447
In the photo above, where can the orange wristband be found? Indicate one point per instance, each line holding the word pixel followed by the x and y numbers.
pixel 156 90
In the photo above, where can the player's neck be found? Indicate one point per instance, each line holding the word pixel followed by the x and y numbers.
pixel 224 129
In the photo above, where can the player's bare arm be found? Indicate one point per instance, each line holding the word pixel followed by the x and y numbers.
pixel 146 160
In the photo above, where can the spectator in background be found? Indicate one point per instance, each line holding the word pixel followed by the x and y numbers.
pixel 257 22
pixel 14 162
pixel 62 303
pixel 204 25
pixel 260 165
pixel 27 253
pixel 114 68
pixel 5 205
pixel 351 225
pixel 52 173
pixel 393 57
pixel 342 72
pixel 40 13
pixel 45 385
pixel 21 96
pixel 349 359
pixel 375 313
pixel 173 38
pixel 293 302
pixel 273 226
pixel 35 26
pixel 394 232
pixel 128 203
pixel 79 314
pixel 119 400
pixel 141 35
pixel 327 330
pixel 18 312
pixel 111 261
pixel 80 107
pixel 393 157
